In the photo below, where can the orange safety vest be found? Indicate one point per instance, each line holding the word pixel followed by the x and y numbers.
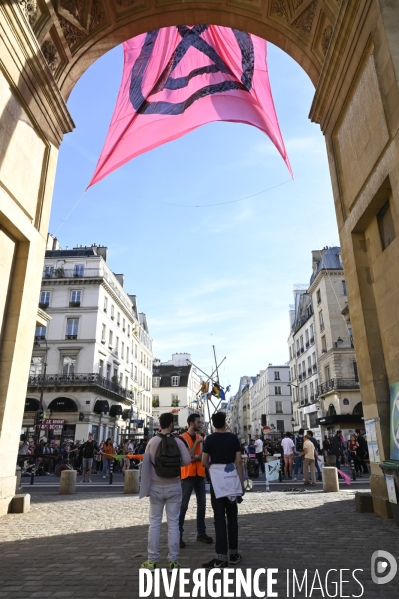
pixel 195 468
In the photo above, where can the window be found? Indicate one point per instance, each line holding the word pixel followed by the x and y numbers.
pixel 40 332
pixel 301 392
pixel 72 328
pixel 277 390
pixel 126 382
pixel 280 425
pixel 103 333
pixel 307 337
pixel 112 312
pixel 75 298
pixel 321 320
pixel 279 407
pixel 311 389
pixel 135 373
pixel 155 401
pixel 174 381
pixel 327 373
pixel 45 298
pixel 301 342
pixel 49 272
pixel 110 339
pixel 105 304
pixel 118 320
pixel 124 325
pixel 318 296
pixel 68 365
pixel 314 357
pixel 108 371
pixel 355 371
pixel 385 225
pixel 313 419
pixel 344 287
pixel 116 344
pixel 127 354
pixel 101 367
pixel 36 366
pixel 156 381
pixel 176 419
pixel 122 350
pixel 175 400
pixel 323 343
pixel 78 270
pixel 135 350
pixel 276 375
pixel 128 330
pixel 306 391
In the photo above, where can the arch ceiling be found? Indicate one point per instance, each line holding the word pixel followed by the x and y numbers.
pixel 74 33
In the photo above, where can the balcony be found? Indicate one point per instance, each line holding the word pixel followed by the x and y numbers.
pixel 312 397
pixel 302 349
pixel 298 353
pixel 309 371
pixel 314 367
pixel 70 337
pixel 336 384
pixel 300 377
pixel 74 304
pixel 307 344
pixel 94 381
pixel 311 340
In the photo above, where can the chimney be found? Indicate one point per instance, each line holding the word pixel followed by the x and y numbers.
pixel 120 279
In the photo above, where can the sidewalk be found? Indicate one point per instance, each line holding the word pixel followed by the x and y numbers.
pixel 91 545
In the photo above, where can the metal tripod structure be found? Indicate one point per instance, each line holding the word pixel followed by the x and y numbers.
pixel 209 378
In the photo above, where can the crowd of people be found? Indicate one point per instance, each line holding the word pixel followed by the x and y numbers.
pixel 88 457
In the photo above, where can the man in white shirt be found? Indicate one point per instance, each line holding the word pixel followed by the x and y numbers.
pixel 259 453
pixel 288 447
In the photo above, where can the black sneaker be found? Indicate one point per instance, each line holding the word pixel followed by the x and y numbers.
pixel 205 539
pixel 235 558
pixel 182 544
pixel 215 563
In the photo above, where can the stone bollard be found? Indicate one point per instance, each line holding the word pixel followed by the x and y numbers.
pixel 330 479
pixel 20 504
pixel 132 481
pixel 68 482
pixel 18 488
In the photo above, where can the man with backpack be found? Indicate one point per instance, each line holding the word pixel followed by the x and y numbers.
pixel 167 455
pixel 298 451
pixel 193 479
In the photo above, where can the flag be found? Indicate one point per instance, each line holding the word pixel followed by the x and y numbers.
pixel 216 390
pixel 176 79
pixel 204 387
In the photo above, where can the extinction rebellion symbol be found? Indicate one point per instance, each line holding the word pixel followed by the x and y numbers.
pixel 191 38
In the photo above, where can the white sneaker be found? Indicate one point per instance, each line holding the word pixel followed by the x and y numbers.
pixel 104 477
pixel 90 481
pixel 295 478
pixel 83 480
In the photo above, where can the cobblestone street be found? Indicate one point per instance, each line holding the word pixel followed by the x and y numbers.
pixel 89 546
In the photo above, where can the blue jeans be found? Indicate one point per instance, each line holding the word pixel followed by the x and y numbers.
pixel 188 485
pixel 106 464
pixel 298 462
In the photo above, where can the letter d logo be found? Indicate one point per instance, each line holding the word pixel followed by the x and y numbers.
pixel 380 560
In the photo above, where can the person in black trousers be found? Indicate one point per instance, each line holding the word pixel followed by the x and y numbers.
pixel 222 447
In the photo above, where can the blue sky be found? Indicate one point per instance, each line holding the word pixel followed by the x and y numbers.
pixel 219 275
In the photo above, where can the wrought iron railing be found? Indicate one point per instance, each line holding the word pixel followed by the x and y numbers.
pixel 79 380
pixel 336 383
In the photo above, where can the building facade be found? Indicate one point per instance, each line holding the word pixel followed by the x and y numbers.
pixel 176 388
pixel 236 416
pixel 91 365
pixel 339 386
pixel 270 400
pixel 326 388
pixel 304 364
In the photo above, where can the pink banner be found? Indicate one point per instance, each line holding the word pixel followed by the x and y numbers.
pixel 179 78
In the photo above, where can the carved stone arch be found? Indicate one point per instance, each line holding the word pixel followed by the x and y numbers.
pixel 89 28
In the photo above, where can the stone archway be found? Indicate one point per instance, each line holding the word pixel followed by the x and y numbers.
pixel 348 48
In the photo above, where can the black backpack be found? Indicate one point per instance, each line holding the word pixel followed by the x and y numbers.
pixel 167 457
pixel 299 443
